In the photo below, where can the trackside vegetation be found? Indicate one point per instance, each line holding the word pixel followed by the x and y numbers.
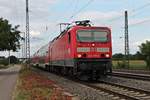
pixel 134 64
pixel 33 86
pixel 145 51
pixel 139 60
pixel 4 62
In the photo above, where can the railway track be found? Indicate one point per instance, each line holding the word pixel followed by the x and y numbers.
pixel 116 91
pixel 144 77
pixel 119 92
pixel 132 71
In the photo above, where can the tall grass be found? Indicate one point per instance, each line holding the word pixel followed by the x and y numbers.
pixel 134 64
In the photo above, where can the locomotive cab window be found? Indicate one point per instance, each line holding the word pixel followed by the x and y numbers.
pixel 92 36
pixel 69 37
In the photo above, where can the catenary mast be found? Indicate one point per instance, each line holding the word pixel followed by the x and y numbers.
pixel 27 39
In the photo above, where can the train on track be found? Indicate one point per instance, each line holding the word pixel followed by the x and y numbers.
pixel 81 50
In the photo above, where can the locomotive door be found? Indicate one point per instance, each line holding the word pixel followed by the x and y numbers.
pixel 67 49
pixel 50 56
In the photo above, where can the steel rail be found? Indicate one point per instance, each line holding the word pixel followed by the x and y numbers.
pixel 144 77
pixel 143 94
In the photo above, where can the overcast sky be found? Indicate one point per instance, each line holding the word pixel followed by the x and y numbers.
pixel 45 15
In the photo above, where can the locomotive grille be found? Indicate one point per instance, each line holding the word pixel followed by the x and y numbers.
pixel 83 49
pixel 102 49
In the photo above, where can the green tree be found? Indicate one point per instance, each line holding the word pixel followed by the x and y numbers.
pixel 138 56
pixel 13 60
pixel 9 36
pixel 118 56
pixel 145 51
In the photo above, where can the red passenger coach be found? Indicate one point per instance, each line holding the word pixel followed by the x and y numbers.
pixel 82 50
pixel 41 57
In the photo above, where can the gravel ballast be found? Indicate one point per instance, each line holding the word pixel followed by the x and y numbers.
pixel 80 91
pixel 139 84
pixel 83 92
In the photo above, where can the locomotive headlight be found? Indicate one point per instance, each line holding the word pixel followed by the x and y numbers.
pixel 79 55
pixel 107 55
pixel 93 44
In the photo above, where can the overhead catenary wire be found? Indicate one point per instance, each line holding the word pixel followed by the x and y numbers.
pixel 73 15
pixel 138 10
pixel 141 22
pixel 135 24
pixel 75 7
pixel 82 8
pixel 57 21
pixel 132 12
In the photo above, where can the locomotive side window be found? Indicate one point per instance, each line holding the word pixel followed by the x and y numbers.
pixel 69 37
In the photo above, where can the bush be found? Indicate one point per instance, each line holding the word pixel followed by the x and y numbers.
pixel 4 62
pixel 121 65
pixel 13 60
pixel 147 60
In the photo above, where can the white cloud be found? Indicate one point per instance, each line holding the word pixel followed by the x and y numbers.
pixel 140 42
pixel 39 17
pixel 138 21
pixel 35 33
pixel 42 15
pixel 97 15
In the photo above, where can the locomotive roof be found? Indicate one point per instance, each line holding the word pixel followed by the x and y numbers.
pixel 77 26
pixel 66 30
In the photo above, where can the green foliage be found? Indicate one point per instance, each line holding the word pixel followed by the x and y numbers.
pixel 13 60
pixel 4 62
pixel 134 64
pixel 9 36
pixel 121 64
pixel 145 51
pixel 118 56
pixel 136 56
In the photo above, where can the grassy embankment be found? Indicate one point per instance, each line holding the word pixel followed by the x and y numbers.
pixel 134 64
pixel 32 86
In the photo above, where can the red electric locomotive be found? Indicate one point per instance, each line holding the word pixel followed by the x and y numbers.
pixel 82 50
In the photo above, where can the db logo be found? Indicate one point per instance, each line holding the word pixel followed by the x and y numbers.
pixel 92 49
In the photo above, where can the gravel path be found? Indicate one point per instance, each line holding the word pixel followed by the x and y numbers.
pixel 130 82
pixel 81 91
pixel 8 79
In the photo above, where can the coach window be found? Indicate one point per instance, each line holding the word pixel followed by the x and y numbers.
pixel 69 37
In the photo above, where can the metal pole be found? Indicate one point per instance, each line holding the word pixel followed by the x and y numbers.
pixel 22 49
pixel 24 46
pixel 27 34
pixel 9 56
pixel 126 41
